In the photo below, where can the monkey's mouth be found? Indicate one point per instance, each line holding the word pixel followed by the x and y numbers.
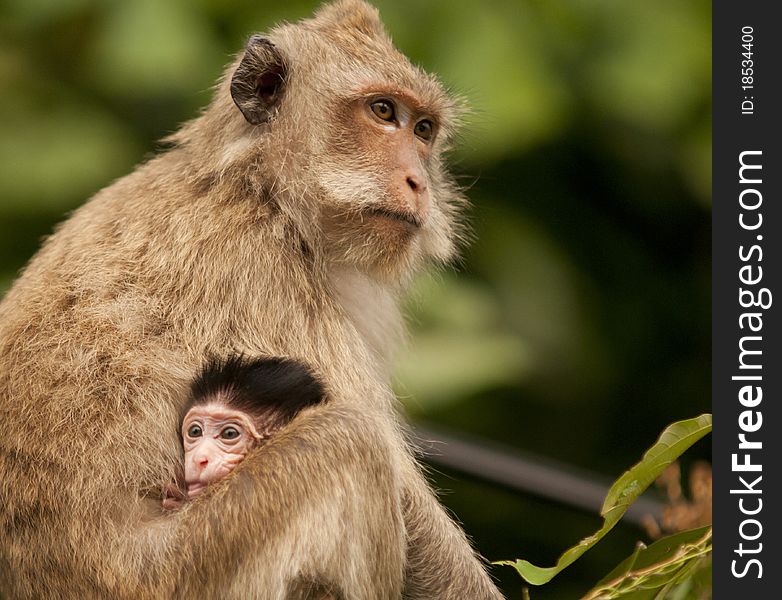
pixel 195 488
pixel 404 217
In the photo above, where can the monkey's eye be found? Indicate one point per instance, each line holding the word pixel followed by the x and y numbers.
pixel 423 129
pixel 230 433
pixel 383 109
pixel 194 431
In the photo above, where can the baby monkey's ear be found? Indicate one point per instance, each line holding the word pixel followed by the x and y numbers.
pixel 258 84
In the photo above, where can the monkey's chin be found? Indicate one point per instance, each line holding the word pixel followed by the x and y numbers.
pixel 383 245
pixel 390 258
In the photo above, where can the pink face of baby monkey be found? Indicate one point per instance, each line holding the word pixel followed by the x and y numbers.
pixel 216 438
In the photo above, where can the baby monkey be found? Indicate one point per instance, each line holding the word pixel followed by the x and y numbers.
pixel 234 406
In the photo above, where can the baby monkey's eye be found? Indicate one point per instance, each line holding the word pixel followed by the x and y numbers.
pixel 229 433
pixel 194 431
pixel 383 109
pixel 423 129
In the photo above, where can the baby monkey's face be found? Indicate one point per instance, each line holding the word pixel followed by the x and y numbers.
pixel 216 438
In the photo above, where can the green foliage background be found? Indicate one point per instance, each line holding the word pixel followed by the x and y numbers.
pixel 578 324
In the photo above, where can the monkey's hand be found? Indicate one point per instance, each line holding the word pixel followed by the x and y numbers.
pixel 173 496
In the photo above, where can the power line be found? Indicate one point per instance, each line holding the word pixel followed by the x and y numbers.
pixel 527 473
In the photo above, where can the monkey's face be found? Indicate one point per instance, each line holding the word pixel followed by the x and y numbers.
pixel 384 204
pixel 351 137
pixel 216 438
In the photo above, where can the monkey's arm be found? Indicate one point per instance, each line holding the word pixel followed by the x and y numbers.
pixel 440 562
pixel 319 501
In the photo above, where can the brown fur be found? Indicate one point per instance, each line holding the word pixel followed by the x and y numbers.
pixel 241 238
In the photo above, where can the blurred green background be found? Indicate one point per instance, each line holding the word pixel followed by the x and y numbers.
pixel 577 324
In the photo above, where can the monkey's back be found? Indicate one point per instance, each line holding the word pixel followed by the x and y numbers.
pixel 83 350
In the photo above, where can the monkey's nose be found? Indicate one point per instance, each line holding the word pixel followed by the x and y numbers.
pixel 417 185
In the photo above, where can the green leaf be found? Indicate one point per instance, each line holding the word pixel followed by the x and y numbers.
pixel 673 442
pixel 624 567
pixel 669 569
pixel 644 557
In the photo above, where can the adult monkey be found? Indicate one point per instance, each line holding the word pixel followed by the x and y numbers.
pixel 283 221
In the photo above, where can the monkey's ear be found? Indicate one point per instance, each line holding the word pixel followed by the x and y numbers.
pixel 258 84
